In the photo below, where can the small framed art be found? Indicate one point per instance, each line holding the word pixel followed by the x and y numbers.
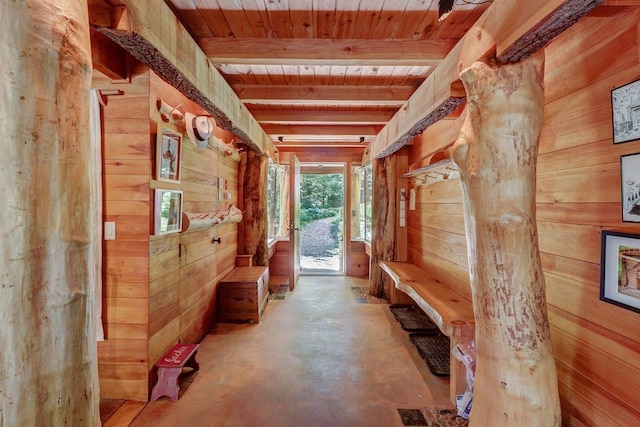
pixel 168 155
pixel 630 184
pixel 620 269
pixel 167 211
pixel 625 111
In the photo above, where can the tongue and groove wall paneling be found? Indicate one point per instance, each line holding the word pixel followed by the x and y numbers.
pixel 127 152
pixel 187 266
pixel 596 344
pixel 436 237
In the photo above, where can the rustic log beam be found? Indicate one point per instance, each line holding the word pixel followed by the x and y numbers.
pixel 511 28
pixel 149 31
pixel 48 355
pixel 538 36
pixel 383 221
pixel 496 152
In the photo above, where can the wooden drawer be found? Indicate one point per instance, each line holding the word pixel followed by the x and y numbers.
pixel 242 295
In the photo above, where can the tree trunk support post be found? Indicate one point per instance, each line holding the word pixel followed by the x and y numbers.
pixel 496 151
pixel 383 246
pixel 48 355
pixel 254 204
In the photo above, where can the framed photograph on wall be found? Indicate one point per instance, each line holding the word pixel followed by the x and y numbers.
pixel 167 212
pixel 630 184
pixel 620 269
pixel 168 155
pixel 625 110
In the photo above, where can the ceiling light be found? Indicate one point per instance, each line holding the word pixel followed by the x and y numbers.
pixel 444 8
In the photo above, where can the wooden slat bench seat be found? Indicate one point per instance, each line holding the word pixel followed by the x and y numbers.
pixel 449 310
pixel 170 367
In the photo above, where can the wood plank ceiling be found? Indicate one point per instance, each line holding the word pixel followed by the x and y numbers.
pixel 325 72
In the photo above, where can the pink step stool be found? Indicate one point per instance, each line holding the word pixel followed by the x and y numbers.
pixel 170 367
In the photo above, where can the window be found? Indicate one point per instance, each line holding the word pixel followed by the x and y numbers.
pixel 361 204
pixel 277 201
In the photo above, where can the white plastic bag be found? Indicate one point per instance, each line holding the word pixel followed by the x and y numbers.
pixel 465 351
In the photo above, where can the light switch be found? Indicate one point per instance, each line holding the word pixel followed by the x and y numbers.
pixel 109 231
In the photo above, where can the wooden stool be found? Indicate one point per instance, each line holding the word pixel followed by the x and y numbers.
pixel 170 367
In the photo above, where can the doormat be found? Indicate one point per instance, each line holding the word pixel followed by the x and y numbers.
pixel 431 418
pixel 361 294
pixel 413 320
pixel 434 349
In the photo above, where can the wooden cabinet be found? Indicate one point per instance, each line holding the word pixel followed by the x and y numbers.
pixel 242 295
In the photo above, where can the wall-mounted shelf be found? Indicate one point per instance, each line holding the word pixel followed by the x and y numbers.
pixel 441 169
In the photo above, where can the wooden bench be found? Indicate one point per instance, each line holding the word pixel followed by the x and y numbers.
pixel 170 367
pixel 449 310
pixel 242 295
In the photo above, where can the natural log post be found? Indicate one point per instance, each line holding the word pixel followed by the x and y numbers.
pixel 515 382
pixel 255 207
pixel 48 349
pixel 383 224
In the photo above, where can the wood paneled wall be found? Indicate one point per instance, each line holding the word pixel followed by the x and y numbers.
pixel 159 290
pixel 186 267
pixel 123 358
pixel 596 344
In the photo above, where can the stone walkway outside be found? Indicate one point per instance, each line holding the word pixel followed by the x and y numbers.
pixel 318 249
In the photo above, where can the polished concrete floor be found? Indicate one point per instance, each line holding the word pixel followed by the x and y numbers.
pixel 318 358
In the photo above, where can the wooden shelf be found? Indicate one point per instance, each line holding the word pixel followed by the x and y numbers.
pixel 433 173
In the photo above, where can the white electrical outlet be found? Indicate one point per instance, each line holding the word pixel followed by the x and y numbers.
pixel 109 231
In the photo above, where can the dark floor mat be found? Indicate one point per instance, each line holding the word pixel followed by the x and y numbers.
pixel 412 319
pixel 361 295
pixel 434 349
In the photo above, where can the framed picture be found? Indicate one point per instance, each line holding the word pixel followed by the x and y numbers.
pixel 620 269
pixel 625 109
pixel 167 211
pixel 168 155
pixel 630 177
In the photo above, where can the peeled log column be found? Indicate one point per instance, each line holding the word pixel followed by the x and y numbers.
pixel 383 243
pixel 48 362
pixel 516 382
pixel 255 221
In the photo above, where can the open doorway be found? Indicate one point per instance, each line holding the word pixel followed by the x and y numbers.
pixel 322 218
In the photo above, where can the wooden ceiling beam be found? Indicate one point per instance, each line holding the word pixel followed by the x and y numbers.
pixel 323 94
pixel 283 51
pixel 311 117
pixel 322 131
pixel 150 32
pixel 312 144
pixel 508 29
pixel 108 58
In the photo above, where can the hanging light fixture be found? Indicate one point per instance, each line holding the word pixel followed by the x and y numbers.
pixel 444 8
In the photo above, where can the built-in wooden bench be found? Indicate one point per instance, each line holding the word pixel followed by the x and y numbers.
pixel 242 295
pixel 449 310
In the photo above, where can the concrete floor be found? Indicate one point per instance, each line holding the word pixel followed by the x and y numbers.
pixel 318 358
